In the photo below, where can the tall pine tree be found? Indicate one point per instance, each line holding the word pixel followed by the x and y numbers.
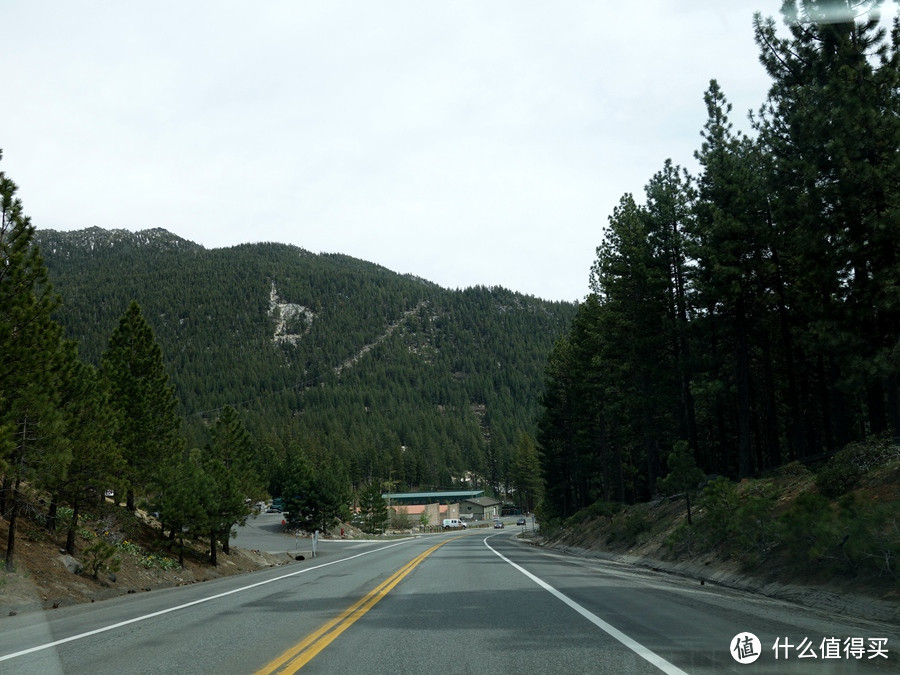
pixel 32 442
pixel 143 399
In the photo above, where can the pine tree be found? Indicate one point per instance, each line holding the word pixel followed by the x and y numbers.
pixel 526 473
pixel 684 475
pixel 230 460
pixel 670 217
pixel 731 279
pixel 372 508
pixel 144 400
pixel 32 444
pixel 96 463
pixel 186 502
pixel 631 280
pixel 831 125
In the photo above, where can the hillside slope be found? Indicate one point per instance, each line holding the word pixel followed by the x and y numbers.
pixel 394 375
pixel 777 535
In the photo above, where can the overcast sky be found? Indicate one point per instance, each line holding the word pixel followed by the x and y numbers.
pixel 464 142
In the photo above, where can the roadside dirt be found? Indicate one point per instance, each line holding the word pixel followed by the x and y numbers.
pixel 772 573
pixel 41 579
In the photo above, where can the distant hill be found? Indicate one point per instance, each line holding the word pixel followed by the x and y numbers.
pixel 395 376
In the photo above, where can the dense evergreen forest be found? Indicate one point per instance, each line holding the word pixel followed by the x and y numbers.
pixel 392 377
pixel 747 316
pixel 739 319
pixel 191 380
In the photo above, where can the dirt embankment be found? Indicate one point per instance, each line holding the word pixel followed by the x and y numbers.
pixel 826 574
pixel 45 577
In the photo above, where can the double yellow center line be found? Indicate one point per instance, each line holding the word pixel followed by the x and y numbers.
pixel 304 651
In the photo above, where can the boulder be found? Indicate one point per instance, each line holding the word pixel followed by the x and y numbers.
pixel 71 564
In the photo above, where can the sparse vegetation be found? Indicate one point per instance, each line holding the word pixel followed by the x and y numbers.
pixel 781 527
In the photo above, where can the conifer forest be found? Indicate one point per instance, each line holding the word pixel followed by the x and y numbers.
pixel 738 316
pixel 749 312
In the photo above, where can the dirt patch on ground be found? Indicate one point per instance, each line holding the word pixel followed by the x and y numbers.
pixel 44 576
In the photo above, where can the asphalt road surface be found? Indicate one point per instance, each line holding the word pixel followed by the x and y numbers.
pixel 479 601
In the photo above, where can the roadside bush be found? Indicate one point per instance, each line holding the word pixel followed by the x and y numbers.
pixel 843 471
pixel 628 524
pixel 848 537
pixel 599 509
pixel 682 541
pixel 101 556
pixel 794 468
pixel 160 561
pixel 756 532
pixel 741 526
pixel 720 503
pixel 550 528
pixel 807 529
pixel 64 515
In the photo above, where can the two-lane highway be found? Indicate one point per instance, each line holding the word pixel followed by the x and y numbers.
pixel 472 602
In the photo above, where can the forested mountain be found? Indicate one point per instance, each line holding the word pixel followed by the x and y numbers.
pixel 390 376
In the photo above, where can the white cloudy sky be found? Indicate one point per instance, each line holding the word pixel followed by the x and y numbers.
pixel 464 142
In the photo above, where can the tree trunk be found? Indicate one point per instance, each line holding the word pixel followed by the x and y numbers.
pixel 797 438
pixel 212 548
pixel 772 437
pixel 5 494
pixel 876 408
pixel 51 514
pixel 745 459
pixel 11 538
pixel 70 534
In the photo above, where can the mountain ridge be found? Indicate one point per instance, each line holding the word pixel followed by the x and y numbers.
pixel 272 328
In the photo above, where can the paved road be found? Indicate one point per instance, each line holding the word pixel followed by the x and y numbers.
pixel 472 602
pixel 265 532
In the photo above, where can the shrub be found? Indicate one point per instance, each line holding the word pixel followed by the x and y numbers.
pixel 720 503
pixel 159 561
pixel 843 471
pixel 806 527
pixel 599 509
pixel 628 524
pixel 741 526
pixel 101 555
pixel 794 468
pixel 64 515
pixel 849 537
pixel 682 541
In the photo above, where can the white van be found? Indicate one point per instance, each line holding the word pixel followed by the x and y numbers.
pixel 454 524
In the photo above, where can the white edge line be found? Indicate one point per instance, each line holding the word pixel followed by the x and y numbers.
pixel 632 644
pixel 96 631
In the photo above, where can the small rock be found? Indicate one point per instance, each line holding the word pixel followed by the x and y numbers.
pixel 112 577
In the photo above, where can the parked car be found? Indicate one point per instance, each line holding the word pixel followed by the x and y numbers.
pixel 521 521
